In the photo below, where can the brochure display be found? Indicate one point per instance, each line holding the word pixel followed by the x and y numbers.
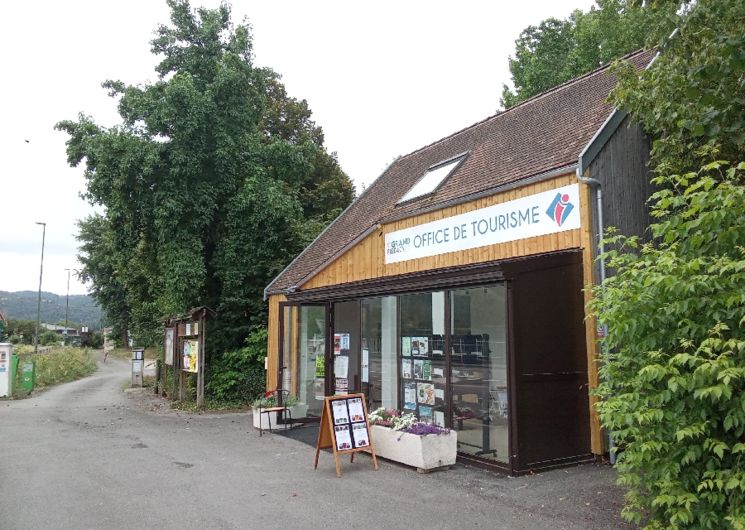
pixel 344 428
pixel 422 377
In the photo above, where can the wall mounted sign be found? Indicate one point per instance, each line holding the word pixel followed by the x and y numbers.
pixel 548 212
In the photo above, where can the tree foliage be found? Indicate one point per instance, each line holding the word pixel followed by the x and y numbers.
pixel 692 102
pixel 674 382
pixel 238 376
pixel 674 364
pixel 556 50
pixel 214 179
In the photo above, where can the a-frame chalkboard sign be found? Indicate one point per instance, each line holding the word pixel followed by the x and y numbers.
pixel 345 428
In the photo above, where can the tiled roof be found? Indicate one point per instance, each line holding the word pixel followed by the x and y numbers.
pixel 544 133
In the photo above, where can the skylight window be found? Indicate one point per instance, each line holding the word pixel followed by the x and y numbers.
pixel 431 180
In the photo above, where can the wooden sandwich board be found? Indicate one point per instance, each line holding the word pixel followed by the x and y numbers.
pixel 345 428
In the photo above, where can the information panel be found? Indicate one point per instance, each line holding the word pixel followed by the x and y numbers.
pixel 168 348
pixel 191 356
pixel 345 428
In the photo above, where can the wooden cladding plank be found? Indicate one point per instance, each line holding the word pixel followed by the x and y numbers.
pixel 366 260
pixel 597 441
pixel 273 340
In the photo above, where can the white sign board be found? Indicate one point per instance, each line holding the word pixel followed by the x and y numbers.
pixel 169 347
pixel 6 386
pixel 544 213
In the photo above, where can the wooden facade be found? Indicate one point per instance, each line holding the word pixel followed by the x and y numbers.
pixel 553 339
pixel 366 260
pixel 272 365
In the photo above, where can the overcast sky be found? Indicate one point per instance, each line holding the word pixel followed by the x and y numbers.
pixel 382 79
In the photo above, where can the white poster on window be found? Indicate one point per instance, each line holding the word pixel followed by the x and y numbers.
pixel 544 213
pixel 365 366
pixel 341 366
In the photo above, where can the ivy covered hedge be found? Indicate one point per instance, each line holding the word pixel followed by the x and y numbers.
pixel 673 395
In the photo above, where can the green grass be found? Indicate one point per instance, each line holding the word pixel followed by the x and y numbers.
pixel 211 405
pixel 61 365
pixel 126 353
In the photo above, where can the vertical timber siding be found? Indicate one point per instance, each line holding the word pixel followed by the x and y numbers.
pixel 273 338
pixel 597 443
pixel 622 168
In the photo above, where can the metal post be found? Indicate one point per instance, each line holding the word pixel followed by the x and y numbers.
pixel 67 303
pixel 41 271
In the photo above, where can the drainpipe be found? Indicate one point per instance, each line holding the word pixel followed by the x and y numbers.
pixel 598 187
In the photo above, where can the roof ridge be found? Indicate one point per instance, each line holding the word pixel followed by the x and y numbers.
pixel 530 100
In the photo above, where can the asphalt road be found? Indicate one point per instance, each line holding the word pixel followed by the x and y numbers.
pixel 90 455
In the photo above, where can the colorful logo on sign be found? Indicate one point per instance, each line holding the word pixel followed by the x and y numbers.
pixel 560 208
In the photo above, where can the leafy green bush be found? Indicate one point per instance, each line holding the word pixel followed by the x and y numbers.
pixel 49 337
pixel 674 381
pixel 239 376
pixel 62 365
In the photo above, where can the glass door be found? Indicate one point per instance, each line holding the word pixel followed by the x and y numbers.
pixel 478 369
pixel 302 359
pixel 347 358
pixel 379 366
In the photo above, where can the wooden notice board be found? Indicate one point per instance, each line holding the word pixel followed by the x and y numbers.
pixel 345 428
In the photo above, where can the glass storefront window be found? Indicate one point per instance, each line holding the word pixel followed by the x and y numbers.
pixel 393 349
pixel 422 359
pixel 479 371
pixel 379 370
pixel 303 356
pixel 346 352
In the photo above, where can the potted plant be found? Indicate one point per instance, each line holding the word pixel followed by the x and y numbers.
pixel 400 437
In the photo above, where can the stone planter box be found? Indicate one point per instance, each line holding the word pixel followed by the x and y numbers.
pixel 265 417
pixel 425 453
pixel 297 411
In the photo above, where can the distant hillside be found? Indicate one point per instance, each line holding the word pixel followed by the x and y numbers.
pixel 21 305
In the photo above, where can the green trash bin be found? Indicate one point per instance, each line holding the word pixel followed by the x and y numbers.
pixel 28 376
pixel 14 370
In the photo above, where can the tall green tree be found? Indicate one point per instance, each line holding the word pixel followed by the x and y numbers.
pixel 209 183
pixel 692 102
pixel 98 255
pixel 556 51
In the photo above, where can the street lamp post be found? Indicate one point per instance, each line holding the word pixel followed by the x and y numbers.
pixel 41 271
pixel 67 303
